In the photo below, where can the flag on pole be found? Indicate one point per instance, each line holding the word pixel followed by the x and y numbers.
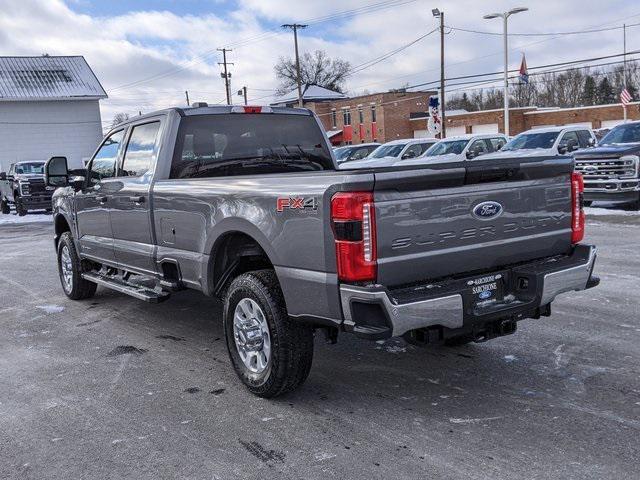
pixel 625 97
pixel 524 73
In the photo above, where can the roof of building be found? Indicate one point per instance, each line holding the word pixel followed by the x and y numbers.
pixel 310 93
pixel 48 78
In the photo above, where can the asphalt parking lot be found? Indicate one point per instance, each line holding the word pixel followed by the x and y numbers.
pixel 116 388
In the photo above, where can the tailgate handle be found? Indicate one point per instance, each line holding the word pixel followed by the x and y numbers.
pixel 135 199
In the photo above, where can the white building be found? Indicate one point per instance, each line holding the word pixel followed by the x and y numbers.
pixel 48 106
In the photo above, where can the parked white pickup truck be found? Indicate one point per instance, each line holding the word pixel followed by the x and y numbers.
pixel 395 152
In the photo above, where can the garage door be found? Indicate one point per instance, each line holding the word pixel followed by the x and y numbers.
pixel 611 123
pixel 453 131
pixel 485 128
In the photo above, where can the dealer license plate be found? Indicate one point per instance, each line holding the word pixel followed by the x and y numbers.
pixel 487 289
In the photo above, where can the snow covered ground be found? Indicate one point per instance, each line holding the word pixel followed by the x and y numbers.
pixel 13 219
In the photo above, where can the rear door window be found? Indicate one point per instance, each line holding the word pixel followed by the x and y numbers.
pixel 496 143
pixel 103 164
pixel 248 144
pixel 139 155
pixel 584 138
pixel 569 136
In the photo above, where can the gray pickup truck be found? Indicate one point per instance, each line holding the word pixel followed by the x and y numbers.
pixel 246 203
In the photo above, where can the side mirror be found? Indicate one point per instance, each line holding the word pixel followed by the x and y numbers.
pixel 562 149
pixel 592 142
pixel 3 176
pixel 56 172
pixel 470 154
pixel 409 154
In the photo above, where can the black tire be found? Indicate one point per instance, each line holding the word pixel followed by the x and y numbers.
pixel 78 288
pixel 635 205
pixel 4 207
pixel 587 203
pixel 21 210
pixel 291 344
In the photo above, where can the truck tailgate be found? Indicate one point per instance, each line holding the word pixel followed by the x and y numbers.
pixel 472 216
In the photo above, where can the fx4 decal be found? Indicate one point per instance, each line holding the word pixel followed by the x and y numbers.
pixel 296 203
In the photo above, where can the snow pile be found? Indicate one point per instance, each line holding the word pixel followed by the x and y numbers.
pixel 618 212
pixel 13 219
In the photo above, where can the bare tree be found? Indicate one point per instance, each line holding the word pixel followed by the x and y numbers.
pixel 119 118
pixel 315 69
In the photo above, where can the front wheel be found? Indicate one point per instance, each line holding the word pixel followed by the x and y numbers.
pixel 21 210
pixel 4 207
pixel 271 353
pixel 70 270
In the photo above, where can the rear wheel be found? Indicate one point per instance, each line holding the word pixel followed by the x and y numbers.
pixel 70 270
pixel 587 203
pixel 270 353
pixel 4 207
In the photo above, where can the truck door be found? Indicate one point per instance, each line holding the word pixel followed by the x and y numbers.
pixel 93 202
pixel 130 209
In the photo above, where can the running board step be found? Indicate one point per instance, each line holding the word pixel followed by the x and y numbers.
pixel 137 291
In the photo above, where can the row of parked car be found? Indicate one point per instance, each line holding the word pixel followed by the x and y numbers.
pixel 539 142
pixel 609 163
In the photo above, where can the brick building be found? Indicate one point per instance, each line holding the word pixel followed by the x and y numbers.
pixel 526 118
pixel 379 117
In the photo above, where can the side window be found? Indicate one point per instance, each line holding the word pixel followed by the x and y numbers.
pixel 569 136
pixel 359 153
pixel 584 138
pixel 413 151
pixel 138 157
pixel 497 143
pixel 103 164
pixel 479 147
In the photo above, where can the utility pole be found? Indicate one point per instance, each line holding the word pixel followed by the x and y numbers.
pixel 226 75
pixel 186 94
pixel 295 27
pixel 443 129
pixel 243 92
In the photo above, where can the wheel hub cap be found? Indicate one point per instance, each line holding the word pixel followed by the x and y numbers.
pixel 251 335
pixel 67 268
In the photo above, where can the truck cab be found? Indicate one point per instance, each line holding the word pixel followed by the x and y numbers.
pixel 460 148
pixel 548 141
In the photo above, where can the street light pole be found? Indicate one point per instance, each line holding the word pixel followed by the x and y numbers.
pixel 505 16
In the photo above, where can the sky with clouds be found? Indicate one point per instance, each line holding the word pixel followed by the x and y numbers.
pixel 147 53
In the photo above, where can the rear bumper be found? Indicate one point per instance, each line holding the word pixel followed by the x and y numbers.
pixel 376 312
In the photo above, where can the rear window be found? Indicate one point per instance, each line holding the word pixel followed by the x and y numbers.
pixel 248 144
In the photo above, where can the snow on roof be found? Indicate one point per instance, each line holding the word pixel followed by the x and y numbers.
pixel 309 94
pixel 47 78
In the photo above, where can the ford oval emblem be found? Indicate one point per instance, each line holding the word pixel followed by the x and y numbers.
pixel 485 295
pixel 487 210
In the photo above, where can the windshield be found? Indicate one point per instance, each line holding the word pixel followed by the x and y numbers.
pixel 30 168
pixel 629 133
pixel 531 140
pixel 248 144
pixel 444 147
pixel 388 150
pixel 342 153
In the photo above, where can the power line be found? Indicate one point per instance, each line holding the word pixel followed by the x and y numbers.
pixel 547 34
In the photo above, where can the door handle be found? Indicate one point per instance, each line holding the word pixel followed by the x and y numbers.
pixel 135 199
pixel 102 199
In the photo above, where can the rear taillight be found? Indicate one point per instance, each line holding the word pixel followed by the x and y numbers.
pixel 577 212
pixel 354 226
